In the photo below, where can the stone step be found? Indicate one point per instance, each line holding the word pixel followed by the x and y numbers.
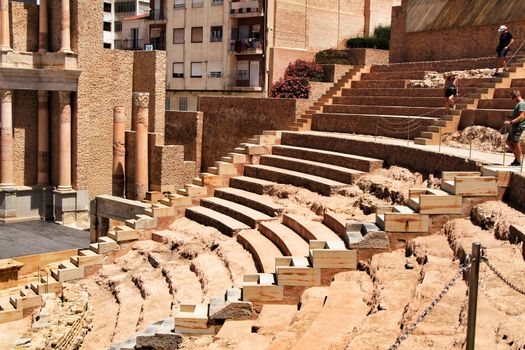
pixel 505 92
pixel 224 168
pixel 123 234
pixel 471 186
pixel 387 110
pixel 234 210
pixel 104 245
pixel 408 75
pixel 8 312
pixel 197 181
pixel 86 257
pixel 252 149
pixel 26 299
pixel 438 66
pixel 497 103
pixel 401 92
pixel 381 84
pixel 296 271
pixel 263 250
pixel 335 158
pixel 436 204
pixel 67 272
pixel 47 284
pixel 193 319
pixel 251 184
pixel 402 222
pixel 335 222
pixel 142 222
pixel 288 242
pixel 372 124
pixel 238 158
pixel 435 102
pixel 193 191
pixel 249 199
pixel 481 82
pixel 177 200
pixel 328 171
pixel 314 183
pixel 310 230
pixel 208 217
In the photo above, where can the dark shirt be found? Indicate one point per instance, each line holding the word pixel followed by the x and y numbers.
pixel 504 40
pixel 520 108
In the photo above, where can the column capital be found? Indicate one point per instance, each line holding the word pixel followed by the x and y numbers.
pixel 43 95
pixel 64 97
pixel 141 99
pixel 6 96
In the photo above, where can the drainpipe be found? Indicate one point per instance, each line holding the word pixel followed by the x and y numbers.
pixel 266 50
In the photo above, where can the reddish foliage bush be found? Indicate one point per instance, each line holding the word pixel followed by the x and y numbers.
pixel 295 83
pixel 291 87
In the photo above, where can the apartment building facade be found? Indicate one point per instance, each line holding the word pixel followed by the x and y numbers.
pixel 115 11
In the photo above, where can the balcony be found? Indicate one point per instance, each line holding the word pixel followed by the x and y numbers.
pixel 250 46
pixel 157 15
pixel 129 44
pixel 247 8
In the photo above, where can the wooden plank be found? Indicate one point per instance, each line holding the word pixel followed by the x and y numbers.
pixel 476 186
pixel 431 204
pixel 503 174
pixel 451 175
pixel 397 222
pixel 416 192
pixel 192 318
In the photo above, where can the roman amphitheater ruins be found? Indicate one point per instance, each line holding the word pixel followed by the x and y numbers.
pixel 346 221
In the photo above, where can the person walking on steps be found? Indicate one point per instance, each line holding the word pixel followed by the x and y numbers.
pixel 517 125
pixel 451 91
pixel 505 40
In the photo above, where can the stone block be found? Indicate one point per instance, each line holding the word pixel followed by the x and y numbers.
pixel 7 204
pixel 82 200
pixel 159 341
pixel 235 310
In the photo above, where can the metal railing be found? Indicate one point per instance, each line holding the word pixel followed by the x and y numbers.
pixel 129 44
pixel 156 15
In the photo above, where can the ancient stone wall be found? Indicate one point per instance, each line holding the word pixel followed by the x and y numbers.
pixel 185 128
pixel 229 120
pixel 517 190
pixel 478 38
pixel 24 27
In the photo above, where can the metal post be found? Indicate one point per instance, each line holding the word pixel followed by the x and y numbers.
pixel 504 147
pixel 439 139
pixel 473 294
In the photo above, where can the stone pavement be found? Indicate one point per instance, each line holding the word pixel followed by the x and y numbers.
pixel 37 237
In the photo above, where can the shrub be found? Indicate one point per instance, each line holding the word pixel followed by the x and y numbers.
pixel 305 69
pixel 333 56
pixel 380 40
pixel 291 87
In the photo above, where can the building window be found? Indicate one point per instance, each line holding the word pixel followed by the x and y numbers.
pixel 179 4
pixel 107 45
pixel 216 2
pixel 243 68
pixel 128 6
pixel 196 69
pixel 118 26
pixel 178 36
pixel 196 34
pixel 107 26
pixel 178 70
pixel 216 34
pixel 183 103
pixel 168 103
pixel 107 7
pixel 215 69
pixel 197 3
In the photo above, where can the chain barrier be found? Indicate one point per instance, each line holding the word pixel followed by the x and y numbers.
pixel 429 308
pixel 485 259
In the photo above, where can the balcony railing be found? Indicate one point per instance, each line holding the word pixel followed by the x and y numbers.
pixel 158 43
pixel 246 46
pixel 246 8
pixel 129 44
pixel 155 15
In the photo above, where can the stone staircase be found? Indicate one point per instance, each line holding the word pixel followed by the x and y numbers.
pixel 22 301
pixel 304 122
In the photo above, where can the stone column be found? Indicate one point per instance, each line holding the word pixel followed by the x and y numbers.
pixel 66 30
pixel 42 27
pixel 64 139
pixel 141 102
pixel 119 150
pixel 6 140
pixel 5 33
pixel 43 138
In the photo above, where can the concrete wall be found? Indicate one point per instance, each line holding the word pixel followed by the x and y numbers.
pixel 467 39
pixel 229 120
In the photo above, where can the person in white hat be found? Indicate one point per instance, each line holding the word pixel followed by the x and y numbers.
pixel 505 40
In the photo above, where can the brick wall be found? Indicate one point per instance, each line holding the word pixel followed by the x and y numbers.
pixel 24 26
pixel 458 42
pixel 25 127
pixel 229 120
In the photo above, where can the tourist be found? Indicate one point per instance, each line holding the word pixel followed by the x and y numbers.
pixel 451 91
pixel 505 40
pixel 517 125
